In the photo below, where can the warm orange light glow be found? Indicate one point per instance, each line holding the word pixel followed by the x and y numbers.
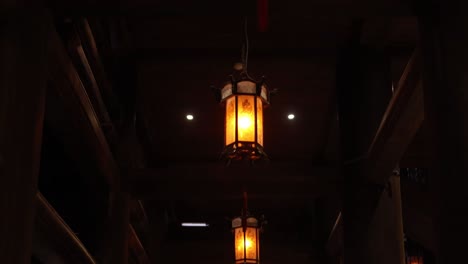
pixel 415 260
pixel 249 242
pixel 259 121
pixel 248 245
pixel 244 100
pixel 245 118
pixel 230 125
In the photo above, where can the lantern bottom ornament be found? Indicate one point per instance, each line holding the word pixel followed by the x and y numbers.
pixel 244 150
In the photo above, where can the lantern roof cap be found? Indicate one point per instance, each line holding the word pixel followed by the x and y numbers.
pixel 244 86
pixel 250 221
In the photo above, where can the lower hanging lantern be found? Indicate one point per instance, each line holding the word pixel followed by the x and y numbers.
pixel 244 101
pixel 246 229
pixel 246 239
pixel 415 260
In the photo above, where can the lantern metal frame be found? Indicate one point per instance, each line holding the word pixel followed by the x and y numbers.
pixel 244 86
pixel 247 221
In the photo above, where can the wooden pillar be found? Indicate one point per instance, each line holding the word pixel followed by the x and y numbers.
pixel 364 89
pixel 116 243
pixel 444 34
pixel 395 186
pixel 386 240
pixel 23 60
pixel 158 228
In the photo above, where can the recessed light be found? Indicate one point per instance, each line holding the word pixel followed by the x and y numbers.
pixel 195 224
pixel 291 116
pixel 189 117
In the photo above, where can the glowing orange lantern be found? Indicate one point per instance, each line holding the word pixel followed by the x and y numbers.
pixel 244 101
pixel 415 260
pixel 246 231
pixel 246 239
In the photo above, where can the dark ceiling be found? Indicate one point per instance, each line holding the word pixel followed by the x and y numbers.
pixel 167 54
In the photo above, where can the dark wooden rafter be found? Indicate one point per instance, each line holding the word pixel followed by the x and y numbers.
pixel 23 67
pixel 72 116
pixel 53 235
pixel 213 180
pixel 213 8
pixel 400 123
pixel 335 240
pixel 69 92
pixel 418 216
pixel 89 45
pixel 85 63
pixel 136 247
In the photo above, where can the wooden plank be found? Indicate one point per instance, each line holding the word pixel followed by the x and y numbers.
pixel 55 239
pixel 137 248
pixel 215 181
pixel 400 123
pixel 334 245
pixel 93 56
pixel 23 67
pixel 418 215
pixel 72 117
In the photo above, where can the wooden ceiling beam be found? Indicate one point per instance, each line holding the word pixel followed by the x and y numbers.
pixel 137 248
pixel 95 68
pixel 216 8
pixel 399 125
pixel 418 215
pixel 334 244
pixel 53 238
pixel 312 53
pixel 215 181
pixel 72 118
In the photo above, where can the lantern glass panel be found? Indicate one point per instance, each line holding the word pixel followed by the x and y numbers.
pixel 259 121
pixel 239 243
pixel 251 243
pixel 226 91
pixel 230 136
pixel 246 118
pixel 415 260
pixel 264 93
pixel 246 87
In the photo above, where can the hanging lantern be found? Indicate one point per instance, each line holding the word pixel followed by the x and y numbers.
pixel 246 231
pixel 414 252
pixel 244 101
pixel 415 260
pixel 246 243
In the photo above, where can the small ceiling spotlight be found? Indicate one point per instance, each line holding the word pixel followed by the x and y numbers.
pixel 189 117
pixel 291 116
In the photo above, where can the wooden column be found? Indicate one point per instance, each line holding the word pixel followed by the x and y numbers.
pixel 395 186
pixel 118 232
pixel 386 241
pixel 364 89
pixel 158 228
pixel 117 242
pixel 444 34
pixel 23 53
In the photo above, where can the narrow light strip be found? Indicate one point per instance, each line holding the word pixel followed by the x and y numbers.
pixel 195 224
